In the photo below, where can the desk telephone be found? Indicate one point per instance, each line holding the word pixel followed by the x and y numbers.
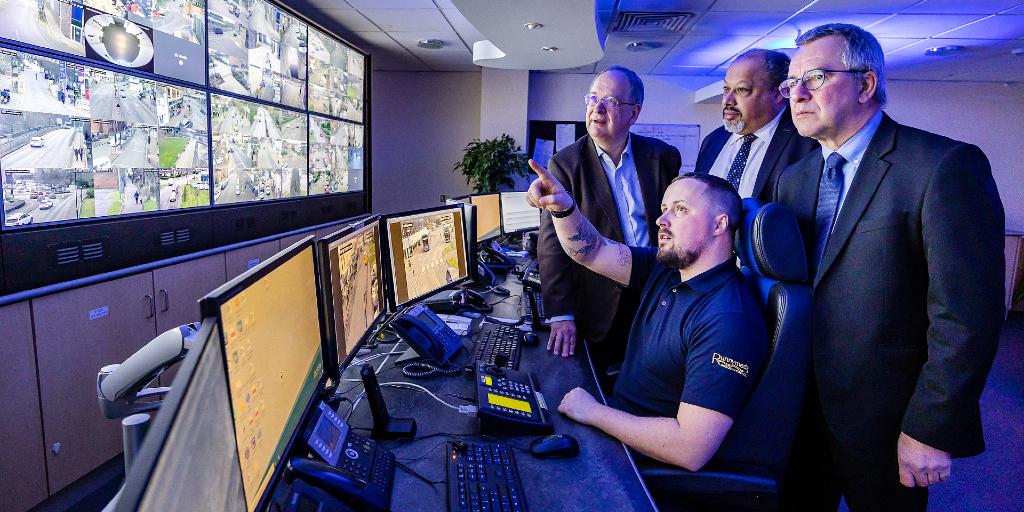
pixel 353 468
pixel 509 404
pixel 427 334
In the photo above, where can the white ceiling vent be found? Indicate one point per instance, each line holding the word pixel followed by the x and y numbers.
pixel 648 22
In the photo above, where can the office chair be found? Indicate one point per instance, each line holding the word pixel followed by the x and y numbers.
pixel 746 472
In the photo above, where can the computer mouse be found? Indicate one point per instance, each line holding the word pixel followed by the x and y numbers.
pixel 530 339
pixel 555 446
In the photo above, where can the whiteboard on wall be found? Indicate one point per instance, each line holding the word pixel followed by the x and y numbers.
pixel 685 138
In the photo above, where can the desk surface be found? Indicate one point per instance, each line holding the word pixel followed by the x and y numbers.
pixel 602 476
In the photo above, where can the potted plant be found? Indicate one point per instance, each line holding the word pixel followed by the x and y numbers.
pixel 489 164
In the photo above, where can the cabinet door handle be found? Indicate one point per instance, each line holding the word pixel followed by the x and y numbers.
pixel 152 306
pixel 167 301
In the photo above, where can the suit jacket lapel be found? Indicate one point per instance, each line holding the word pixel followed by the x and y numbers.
pixel 647 168
pixel 593 172
pixel 869 175
pixel 713 145
pixel 783 132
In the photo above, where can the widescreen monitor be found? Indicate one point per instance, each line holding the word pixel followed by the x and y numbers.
pixel 516 214
pixel 269 318
pixel 353 289
pixel 469 231
pixel 488 216
pixel 427 252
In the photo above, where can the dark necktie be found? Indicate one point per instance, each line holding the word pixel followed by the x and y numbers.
pixel 830 188
pixel 740 162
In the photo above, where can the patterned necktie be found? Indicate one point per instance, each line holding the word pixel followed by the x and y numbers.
pixel 830 188
pixel 740 162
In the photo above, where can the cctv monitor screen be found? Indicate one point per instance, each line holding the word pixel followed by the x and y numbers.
pixel 354 285
pixel 516 214
pixel 335 77
pixel 335 156
pixel 488 216
pixel 270 323
pixel 427 252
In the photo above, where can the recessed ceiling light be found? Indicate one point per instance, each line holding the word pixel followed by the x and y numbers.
pixel 430 44
pixel 642 46
pixel 1017 51
pixel 549 48
pixel 941 51
pixel 533 26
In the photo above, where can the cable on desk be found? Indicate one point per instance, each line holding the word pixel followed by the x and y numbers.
pixel 409 470
pixel 464 409
pixel 423 370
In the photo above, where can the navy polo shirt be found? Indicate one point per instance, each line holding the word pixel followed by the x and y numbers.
pixel 702 342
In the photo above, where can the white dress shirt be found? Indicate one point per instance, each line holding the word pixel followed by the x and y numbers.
pixel 757 150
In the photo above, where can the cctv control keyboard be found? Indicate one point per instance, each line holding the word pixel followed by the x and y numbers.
pixel 535 303
pixel 482 477
pixel 495 339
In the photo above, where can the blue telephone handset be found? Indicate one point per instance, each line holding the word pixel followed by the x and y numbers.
pixel 427 334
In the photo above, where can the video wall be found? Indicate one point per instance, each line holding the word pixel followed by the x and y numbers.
pixel 105 108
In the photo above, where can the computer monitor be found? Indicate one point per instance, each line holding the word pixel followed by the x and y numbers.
pixel 190 445
pixel 469 232
pixel 426 250
pixel 516 214
pixel 269 319
pixel 353 289
pixel 488 216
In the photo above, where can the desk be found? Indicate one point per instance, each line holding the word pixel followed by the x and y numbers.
pixel 601 477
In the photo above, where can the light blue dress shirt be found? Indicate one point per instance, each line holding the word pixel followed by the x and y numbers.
pixel 626 190
pixel 853 151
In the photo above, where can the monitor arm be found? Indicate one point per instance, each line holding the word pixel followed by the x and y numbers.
pixel 120 386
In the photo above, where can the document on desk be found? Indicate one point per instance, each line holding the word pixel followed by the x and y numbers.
pixel 459 324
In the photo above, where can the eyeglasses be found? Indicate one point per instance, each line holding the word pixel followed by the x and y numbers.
pixel 812 80
pixel 607 101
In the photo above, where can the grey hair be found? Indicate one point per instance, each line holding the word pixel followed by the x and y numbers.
pixel 636 86
pixel 862 50
pixel 776 64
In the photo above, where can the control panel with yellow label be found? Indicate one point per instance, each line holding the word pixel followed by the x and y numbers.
pixel 510 403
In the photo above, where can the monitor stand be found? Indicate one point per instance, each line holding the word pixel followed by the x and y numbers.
pixel 384 426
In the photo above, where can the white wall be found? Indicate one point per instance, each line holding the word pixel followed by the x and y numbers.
pixel 988 115
pixel 420 123
pixel 504 96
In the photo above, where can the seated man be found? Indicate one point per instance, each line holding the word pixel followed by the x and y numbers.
pixel 698 342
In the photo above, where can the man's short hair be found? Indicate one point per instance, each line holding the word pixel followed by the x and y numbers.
pixel 862 50
pixel 776 64
pixel 721 196
pixel 636 86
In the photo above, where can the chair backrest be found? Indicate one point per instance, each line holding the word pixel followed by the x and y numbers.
pixel 775 266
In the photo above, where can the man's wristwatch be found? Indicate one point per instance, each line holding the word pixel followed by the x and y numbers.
pixel 564 213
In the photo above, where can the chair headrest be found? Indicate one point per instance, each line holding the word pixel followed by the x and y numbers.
pixel 769 242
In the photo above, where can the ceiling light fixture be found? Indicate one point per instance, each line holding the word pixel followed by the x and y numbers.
pixel 942 51
pixel 533 26
pixel 1019 52
pixel 642 46
pixel 430 44
pixel 549 48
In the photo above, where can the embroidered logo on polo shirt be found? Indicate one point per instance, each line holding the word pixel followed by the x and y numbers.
pixel 730 364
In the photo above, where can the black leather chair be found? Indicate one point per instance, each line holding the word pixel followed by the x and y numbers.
pixel 746 472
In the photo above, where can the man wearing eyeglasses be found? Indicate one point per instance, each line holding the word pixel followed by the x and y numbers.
pixel 757 139
pixel 903 229
pixel 617 180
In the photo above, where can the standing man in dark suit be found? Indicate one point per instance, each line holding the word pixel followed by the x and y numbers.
pixel 757 139
pixel 617 180
pixel 904 232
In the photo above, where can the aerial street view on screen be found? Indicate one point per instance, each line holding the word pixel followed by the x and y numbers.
pixel 357 285
pixel 257 50
pixel 335 156
pixel 335 78
pixel 259 151
pixel 51 24
pixel 431 254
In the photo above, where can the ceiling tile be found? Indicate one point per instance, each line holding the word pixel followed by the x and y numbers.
pixel 659 5
pixel 445 4
pixel 409 39
pixel 410 20
pixel 807 20
pixel 919 25
pixel 889 44
pixel 962 7
pixel 974 50
pixel 995 27
pixel 447 60
pixel 349 19
pixel 391 4
pixel 642 62
pixel 706 51
pixel 1016 10
pixel 397 62
pixel 464 28
pixel 664 69
pixel 305 5
pixel 862 6
pixel 746 5
pixel 739 23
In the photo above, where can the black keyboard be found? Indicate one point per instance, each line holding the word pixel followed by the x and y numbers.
pixel 497 339
pixel 535 303
pixel 483 477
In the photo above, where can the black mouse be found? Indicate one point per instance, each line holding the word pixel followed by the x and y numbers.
pixel 530 339
pixel 555 446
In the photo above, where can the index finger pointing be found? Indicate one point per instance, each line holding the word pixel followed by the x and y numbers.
pixel 541 172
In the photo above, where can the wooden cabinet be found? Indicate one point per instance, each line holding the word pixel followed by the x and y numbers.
pixel 240 260
pixel 77 333
pixel 178 290
pixel 23 463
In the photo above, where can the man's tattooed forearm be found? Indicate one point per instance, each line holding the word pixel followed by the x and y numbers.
pixel 625 258
pixel 590 239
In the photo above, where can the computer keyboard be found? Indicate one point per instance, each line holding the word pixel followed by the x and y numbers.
pixel 482 477
pixel 535 302
pixel 497 339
